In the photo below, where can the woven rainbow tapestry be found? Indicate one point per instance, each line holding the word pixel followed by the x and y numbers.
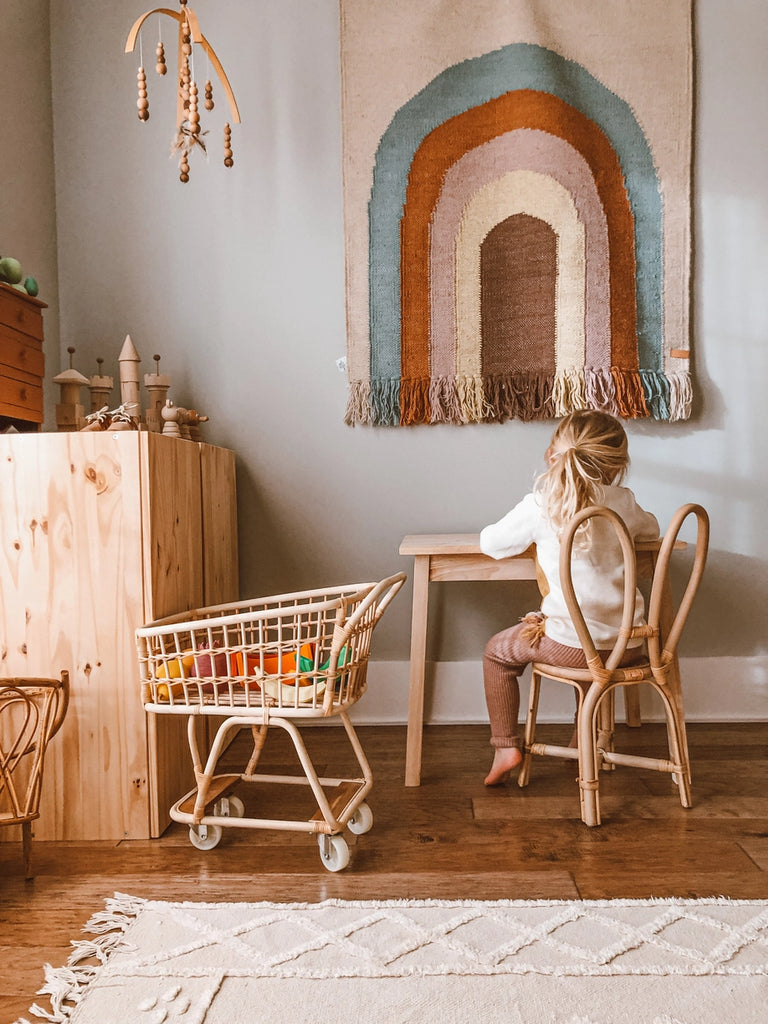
pixel 517 208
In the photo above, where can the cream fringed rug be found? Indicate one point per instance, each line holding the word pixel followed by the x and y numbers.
pixel 511 961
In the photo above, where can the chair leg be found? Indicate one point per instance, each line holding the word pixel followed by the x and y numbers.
pixel 677 741
pixel 606 718
pixel 530 730
pixel 589 792
pixel 26 848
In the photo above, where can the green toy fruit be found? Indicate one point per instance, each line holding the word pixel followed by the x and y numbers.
pixel 10 270
pixel 20 288
pixel 31 285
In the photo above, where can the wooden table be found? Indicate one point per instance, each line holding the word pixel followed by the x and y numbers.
pixel 446 557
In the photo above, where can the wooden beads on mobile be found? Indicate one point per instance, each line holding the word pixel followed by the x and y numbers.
pixel 208 95
pixel 184 168
pixel 193 114
pixel 142 103
pixel 160 67
pixel 228 160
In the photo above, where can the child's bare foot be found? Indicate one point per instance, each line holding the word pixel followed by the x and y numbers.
pixel 505 760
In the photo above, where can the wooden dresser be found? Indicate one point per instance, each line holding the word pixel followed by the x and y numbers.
pixel 21 359
pixel 101 532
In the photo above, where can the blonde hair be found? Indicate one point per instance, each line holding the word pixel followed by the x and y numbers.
pixel 587 452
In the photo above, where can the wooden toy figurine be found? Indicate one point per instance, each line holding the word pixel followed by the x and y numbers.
pixel 70 414
pixel 170 415
pixel 194 419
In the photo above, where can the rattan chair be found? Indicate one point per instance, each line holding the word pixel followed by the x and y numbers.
pixel 31 713
pixel 656 666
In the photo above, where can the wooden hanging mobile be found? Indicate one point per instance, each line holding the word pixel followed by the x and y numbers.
pixel 189 131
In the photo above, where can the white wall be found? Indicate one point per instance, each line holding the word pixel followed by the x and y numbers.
pixel 27 207
pixel 237 281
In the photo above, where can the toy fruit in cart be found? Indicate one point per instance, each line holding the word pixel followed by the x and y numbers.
pixel 167 690
pixel 270 663
pixel 288 693
pixel 209 665
pixel 177 668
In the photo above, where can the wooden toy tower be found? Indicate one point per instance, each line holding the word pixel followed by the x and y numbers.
pixel 70 414
pixel 129 379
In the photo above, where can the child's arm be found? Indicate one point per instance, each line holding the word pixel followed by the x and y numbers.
pixel 642 525
pixel 514 533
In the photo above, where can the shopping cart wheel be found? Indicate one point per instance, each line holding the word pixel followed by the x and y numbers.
pixel 229 807
pixel 334 852
pixel 205 837
pixel 361 821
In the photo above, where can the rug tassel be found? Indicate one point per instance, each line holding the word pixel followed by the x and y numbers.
pixel 66 985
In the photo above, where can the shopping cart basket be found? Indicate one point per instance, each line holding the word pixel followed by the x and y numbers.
pixel 275 661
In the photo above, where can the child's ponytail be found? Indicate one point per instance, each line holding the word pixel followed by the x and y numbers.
pixel 588 451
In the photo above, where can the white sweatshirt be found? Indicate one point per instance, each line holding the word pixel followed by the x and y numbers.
pixel 598 576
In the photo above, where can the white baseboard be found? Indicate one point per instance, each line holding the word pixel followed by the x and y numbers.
pixel 715 689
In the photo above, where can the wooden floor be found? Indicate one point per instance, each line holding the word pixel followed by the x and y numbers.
pixel 450 838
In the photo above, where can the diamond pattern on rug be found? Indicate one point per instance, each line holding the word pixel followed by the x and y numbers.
pixel 390 939
pixel 425 962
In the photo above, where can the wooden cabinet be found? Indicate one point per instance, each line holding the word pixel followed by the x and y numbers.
pixel 101 532
pixel 21 358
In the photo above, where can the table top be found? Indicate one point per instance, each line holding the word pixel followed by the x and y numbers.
pixel 469 544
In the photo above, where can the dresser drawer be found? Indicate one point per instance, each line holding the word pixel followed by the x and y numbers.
pixel 21 312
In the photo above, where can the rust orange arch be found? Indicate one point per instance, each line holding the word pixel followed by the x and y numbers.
pixel 438 151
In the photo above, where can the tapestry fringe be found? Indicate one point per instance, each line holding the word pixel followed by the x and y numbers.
pixel 473 399
pixel 358 403
pixel 414 401
pixel 656 390
pixel 443 401
pixel 518 396
pixel 630 397
pixel 65 986
pixel 600 390
pixel 569 392
pixel 680 395
pixel 384 402
pixel 472 403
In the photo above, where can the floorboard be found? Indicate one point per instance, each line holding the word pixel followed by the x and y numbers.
pixel 450 838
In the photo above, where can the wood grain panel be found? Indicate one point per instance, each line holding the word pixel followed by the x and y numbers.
pixel 173 571
pixel 468 567
pixel 219 507
pixel 71 592
pixel 100 533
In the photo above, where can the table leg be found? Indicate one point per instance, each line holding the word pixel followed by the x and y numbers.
pixel 632 706
pixel 418 665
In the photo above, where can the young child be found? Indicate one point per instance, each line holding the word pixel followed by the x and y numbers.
pixel 586 462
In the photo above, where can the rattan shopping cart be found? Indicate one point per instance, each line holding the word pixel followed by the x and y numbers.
pixel 275 661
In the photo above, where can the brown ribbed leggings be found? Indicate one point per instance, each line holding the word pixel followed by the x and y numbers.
pixel 506 656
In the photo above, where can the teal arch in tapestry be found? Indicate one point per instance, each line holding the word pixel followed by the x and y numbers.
pixel 456 90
